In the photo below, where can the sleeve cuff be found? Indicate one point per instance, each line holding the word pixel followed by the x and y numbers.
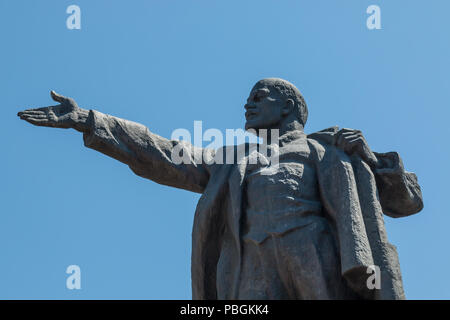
pixel 389 163
pixel 98 129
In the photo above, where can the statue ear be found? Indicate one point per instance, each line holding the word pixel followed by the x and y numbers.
pixel 288 107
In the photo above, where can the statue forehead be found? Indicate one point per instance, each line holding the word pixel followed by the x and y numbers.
pixel 261 85
pixel 269 83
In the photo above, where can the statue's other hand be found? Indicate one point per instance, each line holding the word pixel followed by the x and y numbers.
pixel 65 115
pixel 353 142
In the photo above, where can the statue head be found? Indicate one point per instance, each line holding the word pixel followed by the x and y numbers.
pixel 274 102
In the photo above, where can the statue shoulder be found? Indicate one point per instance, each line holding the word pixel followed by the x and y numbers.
pixel 322 140
pixel 324 136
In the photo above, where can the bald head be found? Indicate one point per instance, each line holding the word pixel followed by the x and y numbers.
pixel 288 91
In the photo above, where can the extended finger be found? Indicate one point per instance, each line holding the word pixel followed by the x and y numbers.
pixel 31 112
pixel 42 109
pixel 25 116
pixel 28 111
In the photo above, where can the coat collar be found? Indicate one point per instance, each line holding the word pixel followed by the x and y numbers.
pixel 291 136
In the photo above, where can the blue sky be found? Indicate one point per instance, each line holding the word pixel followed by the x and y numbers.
pixel 168 63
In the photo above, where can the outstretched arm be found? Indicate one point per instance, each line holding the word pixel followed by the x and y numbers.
pixel 147 154
pixel 398 189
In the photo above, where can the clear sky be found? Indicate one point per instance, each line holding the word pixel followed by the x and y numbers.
pixel 168 63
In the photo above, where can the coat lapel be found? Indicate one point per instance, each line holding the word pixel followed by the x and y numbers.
pixel 221 201
pixel 235 183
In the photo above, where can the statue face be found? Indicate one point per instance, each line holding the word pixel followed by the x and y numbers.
pixel 263 108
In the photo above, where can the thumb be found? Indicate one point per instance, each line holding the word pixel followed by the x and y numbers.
pixel 57 97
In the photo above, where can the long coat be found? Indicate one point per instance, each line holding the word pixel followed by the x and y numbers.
pixel 354 196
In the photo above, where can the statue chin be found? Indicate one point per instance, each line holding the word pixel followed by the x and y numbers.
pixel 254 125
pixel 249 126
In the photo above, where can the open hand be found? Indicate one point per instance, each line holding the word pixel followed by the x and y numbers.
pixel 65 115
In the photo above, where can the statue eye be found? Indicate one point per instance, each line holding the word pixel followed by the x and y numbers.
pixel 256 98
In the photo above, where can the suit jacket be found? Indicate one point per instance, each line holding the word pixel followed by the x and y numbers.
pixel 353 194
